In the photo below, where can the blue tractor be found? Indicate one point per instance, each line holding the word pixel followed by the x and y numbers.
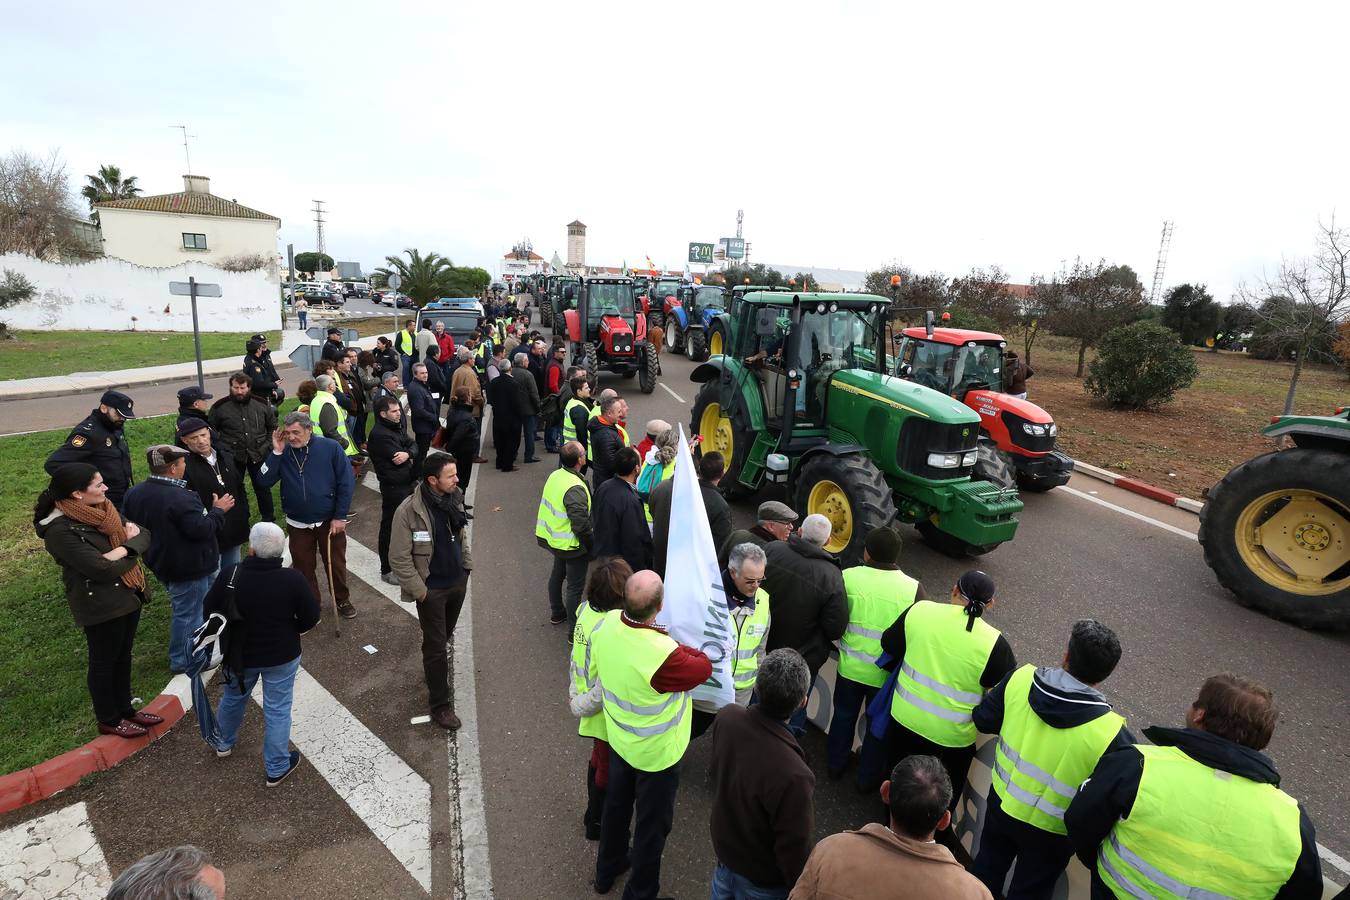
pixel 692 319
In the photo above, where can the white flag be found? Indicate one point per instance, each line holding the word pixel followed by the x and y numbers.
pixel 695 608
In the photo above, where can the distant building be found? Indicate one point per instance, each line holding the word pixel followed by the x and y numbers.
pixel 576 245
pixel 194 224
pixel 349 271
pixel 519 261
pixel 828 279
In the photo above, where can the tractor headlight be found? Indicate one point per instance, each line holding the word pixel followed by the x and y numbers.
pixel 945 460
pixel 970 458
pixel 1033 429
pixel 1054 429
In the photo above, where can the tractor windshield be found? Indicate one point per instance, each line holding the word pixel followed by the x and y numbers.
pixel 980 364
pixel 954 369
pixel 664 289
pixel 610 300
pixel 834 338
pixel 705 298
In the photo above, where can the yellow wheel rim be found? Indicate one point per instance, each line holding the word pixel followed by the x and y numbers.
pixel 829 499
pixel 715 429
pixel 1296 540
pixel 715 345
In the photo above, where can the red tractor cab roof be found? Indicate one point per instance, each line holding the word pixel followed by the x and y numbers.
pixel 957 337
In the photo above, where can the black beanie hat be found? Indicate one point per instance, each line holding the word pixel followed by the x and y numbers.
pixel 883 545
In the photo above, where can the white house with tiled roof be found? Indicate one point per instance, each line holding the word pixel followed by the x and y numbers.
pixel 194 224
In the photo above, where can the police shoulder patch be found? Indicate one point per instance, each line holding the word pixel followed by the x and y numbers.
pixel 108 441
pixel 78 440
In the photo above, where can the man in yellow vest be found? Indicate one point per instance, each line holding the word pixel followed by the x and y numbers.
pixel 948 656
pixel 405 342
pixel 878 592
pixel 1053 726
pixel 563 528
pixel 748 604
pixel 331 419
pixel 577 413
pixel 1199 812
pixel 646 678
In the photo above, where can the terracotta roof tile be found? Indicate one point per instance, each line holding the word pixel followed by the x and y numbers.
pixel 188 203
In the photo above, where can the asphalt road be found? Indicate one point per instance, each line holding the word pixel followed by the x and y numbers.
pixel 1073 557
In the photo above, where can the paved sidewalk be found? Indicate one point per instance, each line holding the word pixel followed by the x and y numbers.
pixel 80 382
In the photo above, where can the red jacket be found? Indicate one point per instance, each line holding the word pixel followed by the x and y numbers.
pixel 446 346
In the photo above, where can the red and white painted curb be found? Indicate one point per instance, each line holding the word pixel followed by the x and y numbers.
pixel 1136 486
pixel 60 772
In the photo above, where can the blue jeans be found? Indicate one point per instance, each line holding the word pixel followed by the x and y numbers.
pixel 727 885
pixel 850 698
pixel 185 601
pixel 304 318
pixel 553 438
pixel 278 695
pixel 531 425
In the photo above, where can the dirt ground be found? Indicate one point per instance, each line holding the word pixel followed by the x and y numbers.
pixel 1189 444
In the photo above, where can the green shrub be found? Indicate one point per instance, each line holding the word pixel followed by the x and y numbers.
pixel 970 319
pixel 1140 365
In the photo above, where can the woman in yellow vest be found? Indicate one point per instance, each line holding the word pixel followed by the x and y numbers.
pixel 948 656
pixel 604 600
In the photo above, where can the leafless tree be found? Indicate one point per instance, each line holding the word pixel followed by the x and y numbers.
pixel 1093 298
pixel 986 293
pixel 38 213
pixel 242 262
pixel 1318 296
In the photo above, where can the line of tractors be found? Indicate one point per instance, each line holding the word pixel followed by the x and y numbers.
pixel 870 422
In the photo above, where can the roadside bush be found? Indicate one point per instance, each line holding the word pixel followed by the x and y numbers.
pixel 242 262
pixel 1140 365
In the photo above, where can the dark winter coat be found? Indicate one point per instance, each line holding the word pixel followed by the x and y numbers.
pixel 763 810
pixel 94 590
pixel 276 605
pixel 333 350
pixel 264 377
pixel 461 432
pixel 1015 375
pixel 185 530
pixel 529 390
pixel 244 429
pixel 226 478
pixel 386 439
pixel 659 501
pixel 325 489
pixel 605 443
pixel 620 525
pixel 386 361
pixel 753 535
pixel 1110 793
pixel 507 403
pixel 424 409
pixel 97 441
pixel 806 592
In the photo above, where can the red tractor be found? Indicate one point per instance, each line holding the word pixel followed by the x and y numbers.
pixel 607 330
pixel 1017 438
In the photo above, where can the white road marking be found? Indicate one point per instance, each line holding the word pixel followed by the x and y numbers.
pixel 392 800
pixel 1128 512
pixel 364 563
pixel 670 392
pixel 53 857
pixel 1334 860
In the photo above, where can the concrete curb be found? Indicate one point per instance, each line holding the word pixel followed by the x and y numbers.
pixel 39 782
pixel 1136 486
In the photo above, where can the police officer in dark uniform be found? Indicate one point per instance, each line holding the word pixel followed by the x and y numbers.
pixel 258 366
pixel 192 403
pixel 99 441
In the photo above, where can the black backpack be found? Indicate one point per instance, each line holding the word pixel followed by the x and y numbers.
pixel 222 637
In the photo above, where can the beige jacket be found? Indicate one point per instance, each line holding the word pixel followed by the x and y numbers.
pixel 411 559
pixel 465 376
pixel 874 863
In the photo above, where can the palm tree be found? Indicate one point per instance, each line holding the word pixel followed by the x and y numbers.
pixel 108 184
pixel 423 278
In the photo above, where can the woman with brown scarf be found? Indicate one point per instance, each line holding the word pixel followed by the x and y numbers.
pixel 99 556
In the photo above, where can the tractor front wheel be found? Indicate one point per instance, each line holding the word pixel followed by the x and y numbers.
pixel 851 492
pixel 1276 532
pixel 696 345
pixel 545 313
pixel 584 356
pixel 717 340
pixel 992 465
pixel 674 337
pixel 720 431
pixel 648 368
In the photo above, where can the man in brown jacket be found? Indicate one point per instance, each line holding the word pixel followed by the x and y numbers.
pixel 762 813
pixel 465 376
pixel 902 860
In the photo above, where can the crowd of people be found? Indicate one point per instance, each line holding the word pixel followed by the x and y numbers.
pixel 1196 812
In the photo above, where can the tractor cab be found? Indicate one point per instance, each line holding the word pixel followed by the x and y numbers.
pixel 689 321
pixel 953 360
pixel 606 329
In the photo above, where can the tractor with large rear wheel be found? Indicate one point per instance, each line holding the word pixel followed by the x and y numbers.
pixel 607 330
pixel 803 398
pixel 1276 529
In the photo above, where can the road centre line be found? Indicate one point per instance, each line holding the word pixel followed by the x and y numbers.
pixel 1127 512
pixel 670 392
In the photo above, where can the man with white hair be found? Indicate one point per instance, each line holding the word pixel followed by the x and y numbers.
pixel 529 392
pixel 277 607
pixel 748 604
pixel 810 605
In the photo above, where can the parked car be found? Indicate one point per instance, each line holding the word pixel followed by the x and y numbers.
pixel 321 297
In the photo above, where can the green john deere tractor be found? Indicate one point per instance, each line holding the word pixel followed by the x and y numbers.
pixel 802 398
pixel 1276 529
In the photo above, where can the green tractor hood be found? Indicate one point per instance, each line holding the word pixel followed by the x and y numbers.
pixel 856 394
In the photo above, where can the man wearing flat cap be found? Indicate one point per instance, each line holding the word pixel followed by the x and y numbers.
pixel 774 522
pixel 98 441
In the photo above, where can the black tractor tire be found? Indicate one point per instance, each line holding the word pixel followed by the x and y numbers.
pixel 1324 471
pixel 653 320
pixel 868 495
pixel 696 345
pixel 545 313
pixel 741 437
pixel 950 545
pixel 674 336
pixel 648 367
pixel 584 355
pixel 993 465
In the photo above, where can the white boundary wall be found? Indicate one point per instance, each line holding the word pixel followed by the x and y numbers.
pixel 108 294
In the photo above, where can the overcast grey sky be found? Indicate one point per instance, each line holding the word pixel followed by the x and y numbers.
pixel 942 135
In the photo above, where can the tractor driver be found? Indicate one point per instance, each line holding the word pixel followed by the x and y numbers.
pixel 771 355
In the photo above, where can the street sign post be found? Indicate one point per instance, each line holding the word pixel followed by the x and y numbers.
pixel 700 253
pixel 194 289
pixel 393 281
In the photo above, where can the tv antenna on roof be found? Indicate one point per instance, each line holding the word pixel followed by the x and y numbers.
pixel 185 145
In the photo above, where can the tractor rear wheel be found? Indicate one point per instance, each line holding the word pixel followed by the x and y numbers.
pixel 717 340
pixel 696 345
pixel 653 320
pixel 992 465
pixel 851 492
pixel 647 368
pixel 720 431
pixel 947 544
pixel 545 313
pixel 1276 532
pixel 674 337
